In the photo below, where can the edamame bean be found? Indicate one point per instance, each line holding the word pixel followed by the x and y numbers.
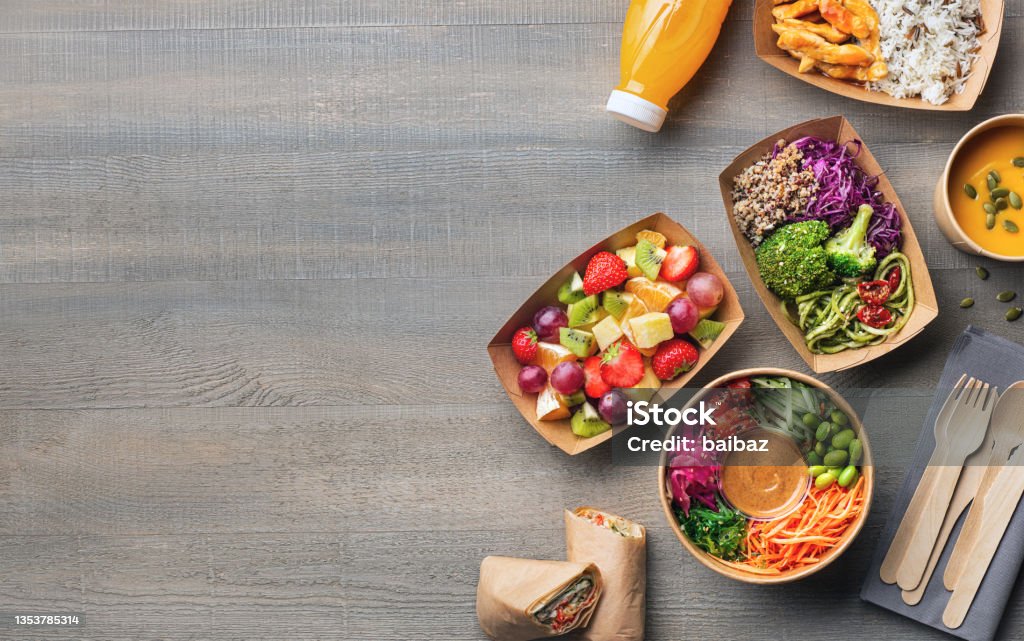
pixel 817 470
pixel 821 449
pixel 848 476
pixel 839 418
pixel 813 458
pixel 856 451
pixel 823 431
pixel 842 440
pixel 836 458
pixel 824 481
pixel 810 420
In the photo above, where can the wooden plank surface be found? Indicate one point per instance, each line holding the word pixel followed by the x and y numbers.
pixel 251 253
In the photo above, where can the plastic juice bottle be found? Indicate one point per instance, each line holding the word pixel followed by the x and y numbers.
pixel 664 42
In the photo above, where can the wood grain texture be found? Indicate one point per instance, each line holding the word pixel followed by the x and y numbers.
pixel 251 252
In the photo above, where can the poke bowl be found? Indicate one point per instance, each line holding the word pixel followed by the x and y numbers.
pixel 772 520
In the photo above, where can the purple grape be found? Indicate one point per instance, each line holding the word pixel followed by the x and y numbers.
pixel 567 377
pixel 532 379
pixel 548 321
pixel 684 315
pixel 705 289
pixel 612 407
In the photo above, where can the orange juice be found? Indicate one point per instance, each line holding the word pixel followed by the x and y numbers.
pixel 664 42
pixel 997 153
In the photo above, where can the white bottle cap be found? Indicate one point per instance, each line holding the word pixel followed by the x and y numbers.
pixel 634 110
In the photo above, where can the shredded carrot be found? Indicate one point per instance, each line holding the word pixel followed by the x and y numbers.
pixel 804 536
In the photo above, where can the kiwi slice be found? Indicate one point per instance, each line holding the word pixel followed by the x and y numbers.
pixel 586 422
pixel 572 400
pixel 584 312
pixel 577 341
pixel 706 332
pixel 615 303
pixel 649 257
pixel 571 290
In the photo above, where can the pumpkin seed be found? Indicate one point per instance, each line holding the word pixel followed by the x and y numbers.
pixel 989 208
pixel 981 272
pixel 967 302
pixel 971 192
pixel 1015 200
pixel 995 174
pixel 1018 161
pixel 1001 204
pixel 999 192
pixel 1010 226
pixel 990 221
pixel 991 182
pixel 1006 297
pixel 1013 313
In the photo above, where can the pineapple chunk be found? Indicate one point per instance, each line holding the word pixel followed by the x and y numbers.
pixel 628 256
pixel 551 354
pixel 645 389
pixel 607 332
pixel 550 406
pixel 651 329
pixel 636 308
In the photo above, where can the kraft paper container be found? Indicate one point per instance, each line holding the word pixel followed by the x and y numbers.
pixel 866 468
pixel 558 433
pixel 510 588
pixel 943 210
pixel 992 15
pixel 925 310
pixel 623 563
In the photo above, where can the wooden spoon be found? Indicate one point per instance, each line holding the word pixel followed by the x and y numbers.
pixel 900 543
pixel 964 435
pixel 1008 430
pixel 999 505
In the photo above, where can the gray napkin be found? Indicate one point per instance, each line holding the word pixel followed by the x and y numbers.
pixel 1000 363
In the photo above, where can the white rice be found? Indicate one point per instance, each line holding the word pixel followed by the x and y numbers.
pixel 929 45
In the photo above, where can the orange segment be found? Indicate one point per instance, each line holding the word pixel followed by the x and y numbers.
pixel 550 354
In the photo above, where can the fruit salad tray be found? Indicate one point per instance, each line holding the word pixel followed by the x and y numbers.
pixel 635 316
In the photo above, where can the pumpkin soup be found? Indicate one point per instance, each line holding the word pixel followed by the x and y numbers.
pixel 986 186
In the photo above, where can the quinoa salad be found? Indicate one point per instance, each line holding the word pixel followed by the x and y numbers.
pixel 771 190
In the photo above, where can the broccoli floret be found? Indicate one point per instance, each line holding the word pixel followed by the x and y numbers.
pixel 792 261
pixel 849 253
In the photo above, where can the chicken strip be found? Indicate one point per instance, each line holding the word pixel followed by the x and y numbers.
pixel 878 69
pixel 843 19
pixel 843 72
pixel 825 30
pixel 795 9
pixel 818 48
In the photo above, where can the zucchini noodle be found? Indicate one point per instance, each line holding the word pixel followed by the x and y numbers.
pixel 828 318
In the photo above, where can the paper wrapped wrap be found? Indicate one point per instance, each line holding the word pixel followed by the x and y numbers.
pixel 623 564
pixel 511 589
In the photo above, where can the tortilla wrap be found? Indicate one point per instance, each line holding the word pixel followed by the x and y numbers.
pixel 512 592
pixel 621 555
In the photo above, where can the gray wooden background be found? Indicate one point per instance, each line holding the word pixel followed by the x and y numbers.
pixel 250 256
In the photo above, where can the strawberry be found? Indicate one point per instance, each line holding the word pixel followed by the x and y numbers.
pixel 595 387
pixel 674 357
pixel 524 345
pixel 622 365
pixel 681 262
pixel 604 271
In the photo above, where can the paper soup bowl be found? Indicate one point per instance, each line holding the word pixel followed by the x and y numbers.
pixel 943 209
pixel 867 471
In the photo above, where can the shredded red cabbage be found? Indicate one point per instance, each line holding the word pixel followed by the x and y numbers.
pixel 842 188
pixel 693 476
